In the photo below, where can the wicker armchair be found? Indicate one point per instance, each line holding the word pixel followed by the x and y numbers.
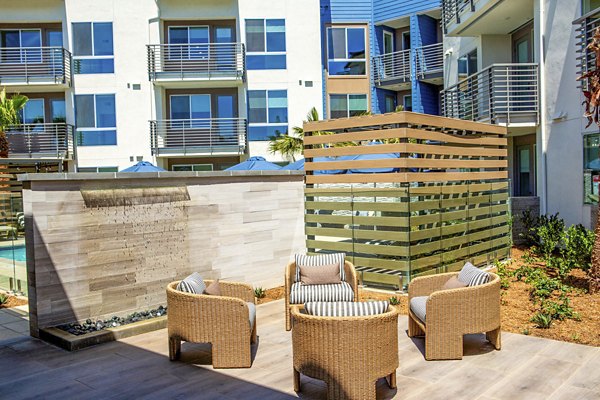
pixel 453 313
pixel 290 272
pixel 222 321
pixel 349 353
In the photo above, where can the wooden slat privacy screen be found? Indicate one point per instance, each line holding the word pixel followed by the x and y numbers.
pixel 442 200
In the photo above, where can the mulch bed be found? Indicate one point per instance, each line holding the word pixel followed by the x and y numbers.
pixel 13 301
pixel 517 308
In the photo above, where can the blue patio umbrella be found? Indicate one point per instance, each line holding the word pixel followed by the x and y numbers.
pixel 296 165
pixel 380 156
pixel 143 166
pixel 256 163
pixel 331 171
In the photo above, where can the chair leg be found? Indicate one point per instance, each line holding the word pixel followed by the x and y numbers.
pixel 174 348
pixel 494 337
pixel 443 346
pixel 391 380
pixel 288 318
pixel 413 328
pixel 296 381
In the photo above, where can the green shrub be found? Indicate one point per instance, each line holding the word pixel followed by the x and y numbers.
pixel 550 233
pixel 504 274
pixel 259 293
pixel 530 223
pixel 560 310
pixel 3 298
pixel 542 320
pixel 394 301
pixel 579 242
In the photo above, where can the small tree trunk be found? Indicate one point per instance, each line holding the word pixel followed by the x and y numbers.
pixel 594 272
pixel 3 144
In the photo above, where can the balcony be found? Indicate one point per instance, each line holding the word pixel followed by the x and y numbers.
pixel 586 58
pixel 429 63
pixel 392 70
pixel 220 63
pixel 35 68
pixel 484 17
pixel 503 94
pixel 52 141
pixel 198 137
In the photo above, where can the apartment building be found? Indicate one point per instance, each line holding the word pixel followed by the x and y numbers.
pixel 381 54
pixel 187 85
pixel 515 63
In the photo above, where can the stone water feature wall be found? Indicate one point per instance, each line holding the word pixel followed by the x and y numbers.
pixel 100 245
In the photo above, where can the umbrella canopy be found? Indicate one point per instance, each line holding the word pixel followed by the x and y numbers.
pixel 143 166
pixel 296 165
pixel 254 164
pixel 364 157
pixel 331 171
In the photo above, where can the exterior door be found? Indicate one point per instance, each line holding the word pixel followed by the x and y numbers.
pixel 524 166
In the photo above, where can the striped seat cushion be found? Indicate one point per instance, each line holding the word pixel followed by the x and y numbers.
pixel 321 259
pixel 346 308
pixel 473 276
pixel 417 306
pixel 251 314
pixel 301 293
pixel 192 284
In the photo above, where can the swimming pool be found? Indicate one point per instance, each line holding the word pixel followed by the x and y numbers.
pixel 16 253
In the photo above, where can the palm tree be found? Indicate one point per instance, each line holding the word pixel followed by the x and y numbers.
pixel 289 145
pixel 9 115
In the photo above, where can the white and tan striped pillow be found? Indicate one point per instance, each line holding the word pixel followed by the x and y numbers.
pixel 319 260
pixel 346 308
pixel 192 284
pixel 473 276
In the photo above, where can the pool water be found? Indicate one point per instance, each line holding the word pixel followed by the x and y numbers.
pixel 16 253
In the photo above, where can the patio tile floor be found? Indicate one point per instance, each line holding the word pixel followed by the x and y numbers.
pixel 138 367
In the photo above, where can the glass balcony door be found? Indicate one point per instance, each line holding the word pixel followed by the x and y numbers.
pixel 192 42
pixel 21 46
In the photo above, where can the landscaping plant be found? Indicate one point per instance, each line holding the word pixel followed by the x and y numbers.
pixel 9 115
pixel 3 298
pixel 394 301
pixel 259 293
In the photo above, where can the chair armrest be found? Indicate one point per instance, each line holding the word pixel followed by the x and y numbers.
pixel 426 285
pixel 351 278
pixel 238 290
pixel 290 272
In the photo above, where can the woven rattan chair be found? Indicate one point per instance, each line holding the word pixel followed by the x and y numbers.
pixel 222 321
pixel 450 314
pixel 349 353
pixel 290 272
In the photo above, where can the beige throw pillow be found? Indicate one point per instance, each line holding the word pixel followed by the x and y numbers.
pixel 453 283
pixel 213 289
pixel 320 275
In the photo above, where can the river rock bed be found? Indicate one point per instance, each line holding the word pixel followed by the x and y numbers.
pixel 97 325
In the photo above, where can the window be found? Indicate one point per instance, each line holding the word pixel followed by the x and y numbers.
pixel 93 48
pixel 97 169
pixel 17 45
pixel 388 42
pixel 267 114
pixel 390 103
pixel 190 111
pixel 407 101
pixel 190 42
pixel 467 64
pixel 346 52
pixel 347 105
pixel 192 167
pixel 33 112
pixel 589 5
pixel 405 40
pixel 591 168
pixel 96 120
pixel 265 44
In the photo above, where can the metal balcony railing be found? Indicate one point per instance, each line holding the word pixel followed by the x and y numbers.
pixel 198 136
pixel 454 9
pixel 429 59
pixel 501 94
pixel 196 61
pixel 586 58
pixel 390 66
pixel 43 141
pixel 35 65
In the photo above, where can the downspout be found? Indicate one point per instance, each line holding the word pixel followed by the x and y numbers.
pixel 542 104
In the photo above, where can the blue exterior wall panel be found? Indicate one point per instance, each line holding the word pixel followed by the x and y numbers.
pixel 385 10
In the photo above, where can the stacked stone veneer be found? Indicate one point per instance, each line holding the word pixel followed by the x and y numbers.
pixel 519 205
pixel 113 256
